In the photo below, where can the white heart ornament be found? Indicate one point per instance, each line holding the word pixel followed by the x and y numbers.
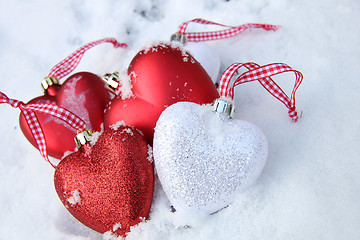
pixel 204 158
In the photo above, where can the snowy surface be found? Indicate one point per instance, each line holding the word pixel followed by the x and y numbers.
pixel 309 188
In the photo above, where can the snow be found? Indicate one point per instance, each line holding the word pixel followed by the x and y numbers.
pixel 125 85
pixel 75 197
pixel 117 125
pixel 309 188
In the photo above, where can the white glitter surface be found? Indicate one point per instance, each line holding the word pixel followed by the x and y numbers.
pixel 203 159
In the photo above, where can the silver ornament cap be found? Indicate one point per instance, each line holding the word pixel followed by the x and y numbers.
pixel 49 81
pixel 83 137
pixel 178 37
pixel 224 107
pixel 112 81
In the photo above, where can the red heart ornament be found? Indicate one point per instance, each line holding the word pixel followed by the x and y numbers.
pixel 85 95
pixel 109 186
pixel 160 76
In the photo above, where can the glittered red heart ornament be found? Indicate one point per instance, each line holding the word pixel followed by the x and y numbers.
pixel 161 75
pixel 85 95
pixel 108 186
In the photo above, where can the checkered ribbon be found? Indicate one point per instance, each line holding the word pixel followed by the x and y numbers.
pixel 262 74
pixel 29 113
pixel 221 34
pixel 67 65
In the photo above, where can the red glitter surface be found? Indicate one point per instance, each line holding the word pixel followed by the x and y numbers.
pixel 114 182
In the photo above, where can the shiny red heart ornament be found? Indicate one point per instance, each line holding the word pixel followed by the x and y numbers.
pixel 85 95
pixel 161 75
pixel 109 186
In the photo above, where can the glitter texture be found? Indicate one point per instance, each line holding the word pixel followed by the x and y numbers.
pixel 112 186
pixel 203 159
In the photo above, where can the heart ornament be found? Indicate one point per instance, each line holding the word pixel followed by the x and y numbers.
pixel 84 94
pixel 204 158
pixel 108 183
pixel 108 186
pixel 161 74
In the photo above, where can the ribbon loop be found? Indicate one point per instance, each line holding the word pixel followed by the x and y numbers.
pixel 221 34
pixel 262 74
pixel 12 102
pixel 53 110
pixel 67 65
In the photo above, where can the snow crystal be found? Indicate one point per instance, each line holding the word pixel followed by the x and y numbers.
pixel 127 130
pixel 151 46
pixel 116 226
pixel 117 125
pixel 67 153
pixel 109 235
pixel 150 154
pixel 75 197
pixel 95 136
pixel 125 87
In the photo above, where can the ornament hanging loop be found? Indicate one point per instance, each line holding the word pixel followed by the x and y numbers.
pixel 228 32
pixel 262 74
pixel 223 106
pixel 67 65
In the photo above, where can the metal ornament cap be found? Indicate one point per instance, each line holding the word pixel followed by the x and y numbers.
pixel 83 137
pixel 49 81
pixel 112 81
pixel 178 37
pixel 224 107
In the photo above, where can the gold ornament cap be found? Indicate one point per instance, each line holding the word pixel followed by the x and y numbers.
pixel 83 137
pixel 178 37
pixel 49 81
pixel 112 81
pixel 224 106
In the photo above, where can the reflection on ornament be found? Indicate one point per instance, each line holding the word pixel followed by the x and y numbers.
pixel 84 94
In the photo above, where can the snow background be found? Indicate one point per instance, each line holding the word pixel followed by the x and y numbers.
pixel 309 188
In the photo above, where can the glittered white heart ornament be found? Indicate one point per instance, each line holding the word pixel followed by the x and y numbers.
pixel 204 158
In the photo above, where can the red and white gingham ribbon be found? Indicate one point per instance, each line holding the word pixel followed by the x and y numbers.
pixel 29 112
pixel 221 34
pixel 67 65
pixel 262 74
